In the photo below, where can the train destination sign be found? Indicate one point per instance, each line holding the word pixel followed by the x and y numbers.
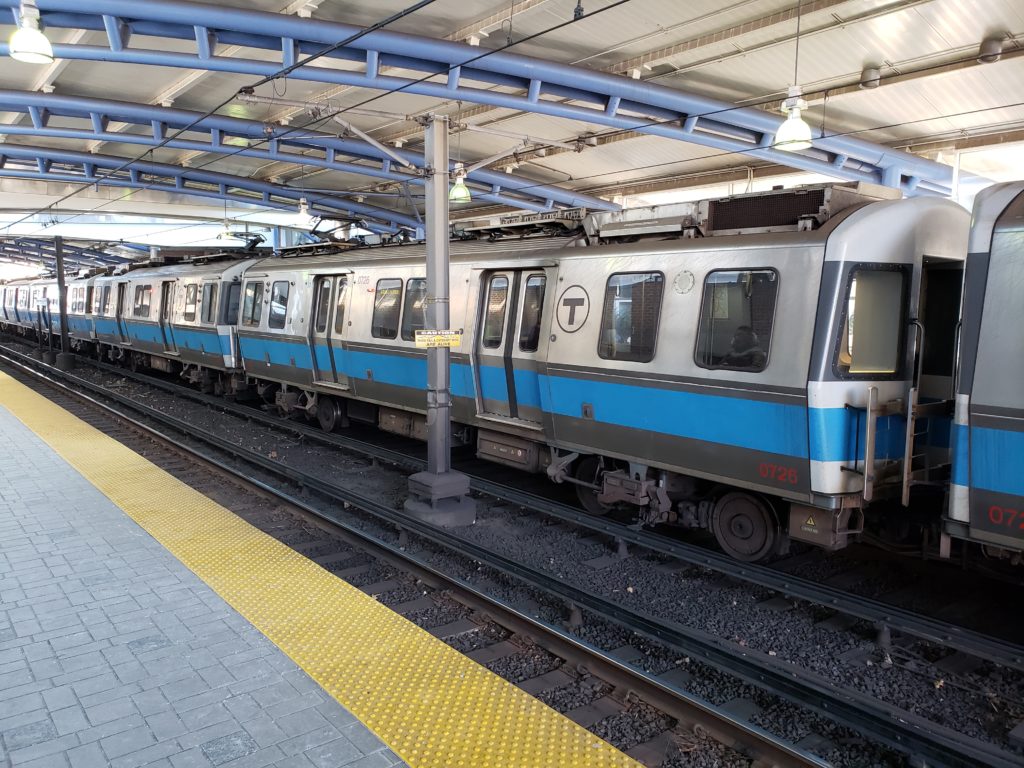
pixel 429 339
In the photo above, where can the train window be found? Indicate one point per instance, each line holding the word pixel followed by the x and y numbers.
pixel 278 304
pixel 323 304
pixel 191 296
pixel 88 300
pixel 143 300
pixel 386 304
pixel 209 303
pixel 494 319
pixel 736 318
pixel 105 302
pixel 339 312
pixel 252 304
pixel 414 313
pixel 872 326
pixel 629 322
pixel 533 306
pixel 231 304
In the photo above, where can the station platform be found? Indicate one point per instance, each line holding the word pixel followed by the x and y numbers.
pixel 141 623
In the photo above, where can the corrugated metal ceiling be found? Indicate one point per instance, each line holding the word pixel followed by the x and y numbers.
pixel 741 51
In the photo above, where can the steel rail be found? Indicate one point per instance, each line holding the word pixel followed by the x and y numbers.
pixel 721 725
pixel 977 644
pixel 887 724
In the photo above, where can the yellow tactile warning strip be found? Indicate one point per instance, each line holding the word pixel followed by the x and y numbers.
pixel 434 707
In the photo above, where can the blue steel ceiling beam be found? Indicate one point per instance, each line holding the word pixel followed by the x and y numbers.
pixel 35 254
pixel 82 167
pixel 69 249
pixel 596 97
pixel 488 186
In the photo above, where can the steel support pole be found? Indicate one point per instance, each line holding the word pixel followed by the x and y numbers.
pixel 438 495
pixel 65 360
pixel 438 314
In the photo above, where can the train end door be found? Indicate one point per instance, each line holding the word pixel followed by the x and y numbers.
pixel 327 330
pixel 508 349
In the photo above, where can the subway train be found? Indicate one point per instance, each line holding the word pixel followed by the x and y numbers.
pixel 783 366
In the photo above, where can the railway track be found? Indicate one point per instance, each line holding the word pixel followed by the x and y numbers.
pixel 898 729
pixel 889 619
pixel 611 673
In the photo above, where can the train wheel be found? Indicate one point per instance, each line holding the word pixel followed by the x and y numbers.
pixel 589 470
pixel 745 527
pixel 328 413
pixel 269 393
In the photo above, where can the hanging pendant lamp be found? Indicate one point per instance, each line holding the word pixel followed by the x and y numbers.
pixel 28 44
pixel 794 134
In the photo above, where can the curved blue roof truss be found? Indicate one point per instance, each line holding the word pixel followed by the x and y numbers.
pixel 42 250
pixel 538 86
pixel 269 143
pixel 60 165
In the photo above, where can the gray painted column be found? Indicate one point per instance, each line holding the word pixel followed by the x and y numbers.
pixel 438 495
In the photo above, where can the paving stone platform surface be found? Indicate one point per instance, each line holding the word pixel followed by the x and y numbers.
pixel 113 653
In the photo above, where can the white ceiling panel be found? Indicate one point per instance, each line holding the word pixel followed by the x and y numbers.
pixel 738 51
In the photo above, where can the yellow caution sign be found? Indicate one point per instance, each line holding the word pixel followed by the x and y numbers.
pixel 429 339
pixel 810 521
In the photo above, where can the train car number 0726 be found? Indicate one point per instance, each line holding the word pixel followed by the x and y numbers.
pixel 1006 517
pixel 777 472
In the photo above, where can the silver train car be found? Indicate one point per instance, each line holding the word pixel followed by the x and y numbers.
pixel 778 367
pixel 987 486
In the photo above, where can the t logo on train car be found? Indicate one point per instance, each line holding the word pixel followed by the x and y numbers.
pixel 573 308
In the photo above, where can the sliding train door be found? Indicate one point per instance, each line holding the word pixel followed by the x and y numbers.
pixel 508 346
pixel 327 330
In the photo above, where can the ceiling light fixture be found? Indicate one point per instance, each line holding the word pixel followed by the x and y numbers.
pixel 459 193
pixel 304 219
pixel 225 233
pixel 794 134
pixel 991 50
pixel 28 44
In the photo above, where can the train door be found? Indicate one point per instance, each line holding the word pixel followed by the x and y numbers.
pixel 166 313
pixel 507 344
pixel 327 330
pixel 121 311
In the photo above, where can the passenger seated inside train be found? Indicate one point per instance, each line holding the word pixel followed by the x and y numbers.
pixel 745 350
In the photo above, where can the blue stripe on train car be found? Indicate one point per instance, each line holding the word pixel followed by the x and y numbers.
pixel 994 457
pixel 771 427
pixel 836 434
pixel 105 325
pixel 277 352
pixel 205 340
pixel 960 456
pixel 839 434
